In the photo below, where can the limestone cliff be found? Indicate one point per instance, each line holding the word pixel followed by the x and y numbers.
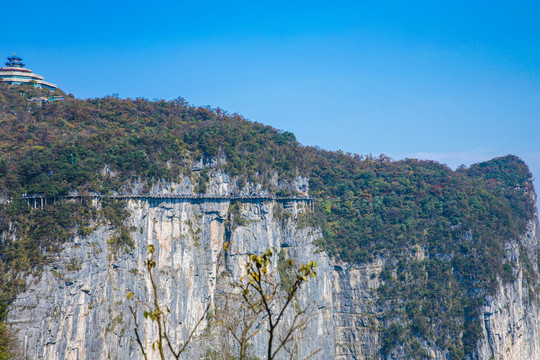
pixel 511 318
pixel 77 308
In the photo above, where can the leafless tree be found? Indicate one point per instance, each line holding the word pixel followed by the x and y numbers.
pixel 157 313
pixel 261 299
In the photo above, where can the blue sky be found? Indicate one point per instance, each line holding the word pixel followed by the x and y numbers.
pixel 457 82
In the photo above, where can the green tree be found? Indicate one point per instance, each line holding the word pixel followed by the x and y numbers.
pixel 8 343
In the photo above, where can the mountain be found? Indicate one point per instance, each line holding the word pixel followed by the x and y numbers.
pixel 415 260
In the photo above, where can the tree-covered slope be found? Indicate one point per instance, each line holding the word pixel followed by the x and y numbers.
pixel 368 208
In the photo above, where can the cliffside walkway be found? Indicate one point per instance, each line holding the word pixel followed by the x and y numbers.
pixel 39 201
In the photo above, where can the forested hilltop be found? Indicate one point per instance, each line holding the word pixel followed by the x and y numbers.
pixel 367 207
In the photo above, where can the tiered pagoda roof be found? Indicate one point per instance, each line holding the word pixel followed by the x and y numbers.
pixel 14 61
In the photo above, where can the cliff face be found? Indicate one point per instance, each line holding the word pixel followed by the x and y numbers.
pixel 511 323
pixel 77 308
pixel 511 318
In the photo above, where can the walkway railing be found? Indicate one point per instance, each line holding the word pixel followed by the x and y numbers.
pixel 38 201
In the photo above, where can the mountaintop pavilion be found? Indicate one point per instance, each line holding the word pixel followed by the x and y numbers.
pixel 16 74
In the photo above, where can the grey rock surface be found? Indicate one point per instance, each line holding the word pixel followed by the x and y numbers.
pixel 77 309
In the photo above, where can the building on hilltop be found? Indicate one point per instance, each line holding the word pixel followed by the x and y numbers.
pixel 16 74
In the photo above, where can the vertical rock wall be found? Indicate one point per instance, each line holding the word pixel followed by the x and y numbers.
pixel 77 308
pixel 511 323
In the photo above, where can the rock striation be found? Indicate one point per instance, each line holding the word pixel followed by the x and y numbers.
pixel 77 308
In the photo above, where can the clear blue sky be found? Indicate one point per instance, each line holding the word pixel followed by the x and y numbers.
pixel 457 82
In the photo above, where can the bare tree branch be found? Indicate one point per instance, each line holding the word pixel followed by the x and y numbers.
pixel 157 314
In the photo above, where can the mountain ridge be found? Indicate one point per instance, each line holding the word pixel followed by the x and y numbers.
pixel 443 233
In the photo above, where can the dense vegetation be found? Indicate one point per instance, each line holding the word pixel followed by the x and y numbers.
pixel 443 231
